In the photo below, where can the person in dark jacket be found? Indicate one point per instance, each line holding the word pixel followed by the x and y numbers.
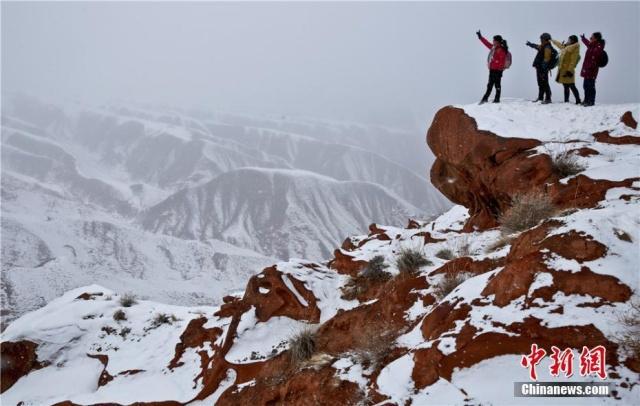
pixel 496 63
pixel 542 63
pixel 591 66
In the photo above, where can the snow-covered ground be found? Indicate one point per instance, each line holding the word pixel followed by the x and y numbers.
pixel 553 122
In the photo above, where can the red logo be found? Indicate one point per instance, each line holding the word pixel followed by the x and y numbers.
pixel 561 361
pixel 530 361
pixel 592 361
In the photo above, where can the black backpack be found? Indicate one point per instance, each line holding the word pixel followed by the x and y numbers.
pixel 603 60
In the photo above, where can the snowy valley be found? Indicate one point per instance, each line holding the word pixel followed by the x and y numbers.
pixel 183 206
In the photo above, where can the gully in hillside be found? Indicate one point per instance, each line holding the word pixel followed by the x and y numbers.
pixel 546 59
pixel 499 59
pixel 568 60
pixel 595 58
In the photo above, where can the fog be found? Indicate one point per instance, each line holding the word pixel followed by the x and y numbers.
pixel 385 63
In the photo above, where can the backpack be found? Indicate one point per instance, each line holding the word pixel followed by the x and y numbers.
pixel 603 60
pixel 554 58
pixel 507 60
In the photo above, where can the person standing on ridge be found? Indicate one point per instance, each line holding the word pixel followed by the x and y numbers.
pixel 499 59
pixel 594 59
pixel 567 62
pixel 545 60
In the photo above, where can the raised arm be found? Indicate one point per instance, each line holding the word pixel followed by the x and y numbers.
pixel 484 40
pixel 559 44
pixel 532 45
pixel 585 41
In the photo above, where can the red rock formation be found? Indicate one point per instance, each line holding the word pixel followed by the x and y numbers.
pixel 481 170
pixel 628 120
pixel 18 359
pixel 105 377
pixel 604 136
pixel 346 264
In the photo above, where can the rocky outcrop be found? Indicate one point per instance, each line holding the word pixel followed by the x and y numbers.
pixel 484 171
pixel 18 359
pixel 481 170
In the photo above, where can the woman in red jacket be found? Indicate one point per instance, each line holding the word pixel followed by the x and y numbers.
pixel 498 62
pixel 591 66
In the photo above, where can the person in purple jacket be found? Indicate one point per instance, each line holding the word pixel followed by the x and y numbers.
pixel 593 61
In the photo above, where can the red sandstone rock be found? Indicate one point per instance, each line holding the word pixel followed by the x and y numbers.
pixel 345 264
pixel 604 136
pixel 628 120
pixel 481 170
pixel 18 359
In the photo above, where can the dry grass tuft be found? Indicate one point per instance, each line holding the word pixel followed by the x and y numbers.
pixel 374 273
pixel 566 164
pixel 163 318
pixel 445 254
pixel 448 283
pixel 410 260
pixel 501 242
pixel 375 270
pixel 302 346
pixel 527 210
pixel 373 345
pixel 128 300
pixel 119 315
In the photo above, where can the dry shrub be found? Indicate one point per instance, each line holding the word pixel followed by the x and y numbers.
pixel 163 318
pixel 374 273
pixel 448 283
pixel 629 340
pixel 119 315
pixel 501 242
pixel 463 247
pixel 375 270
pixel 527 210
pixel 410 260
pixel 373 345
pixel 445 254
pixel 124 332
pixel 302 346
pixel 128 300
pixel 565 164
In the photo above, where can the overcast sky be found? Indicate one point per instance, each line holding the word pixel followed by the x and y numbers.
pixel 371 62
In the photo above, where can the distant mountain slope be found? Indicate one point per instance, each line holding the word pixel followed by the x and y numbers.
pixel 344 162
pixel 51 244
pixel 79 182
pixel 280 213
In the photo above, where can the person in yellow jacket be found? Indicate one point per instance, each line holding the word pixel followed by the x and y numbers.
pixel 568 60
